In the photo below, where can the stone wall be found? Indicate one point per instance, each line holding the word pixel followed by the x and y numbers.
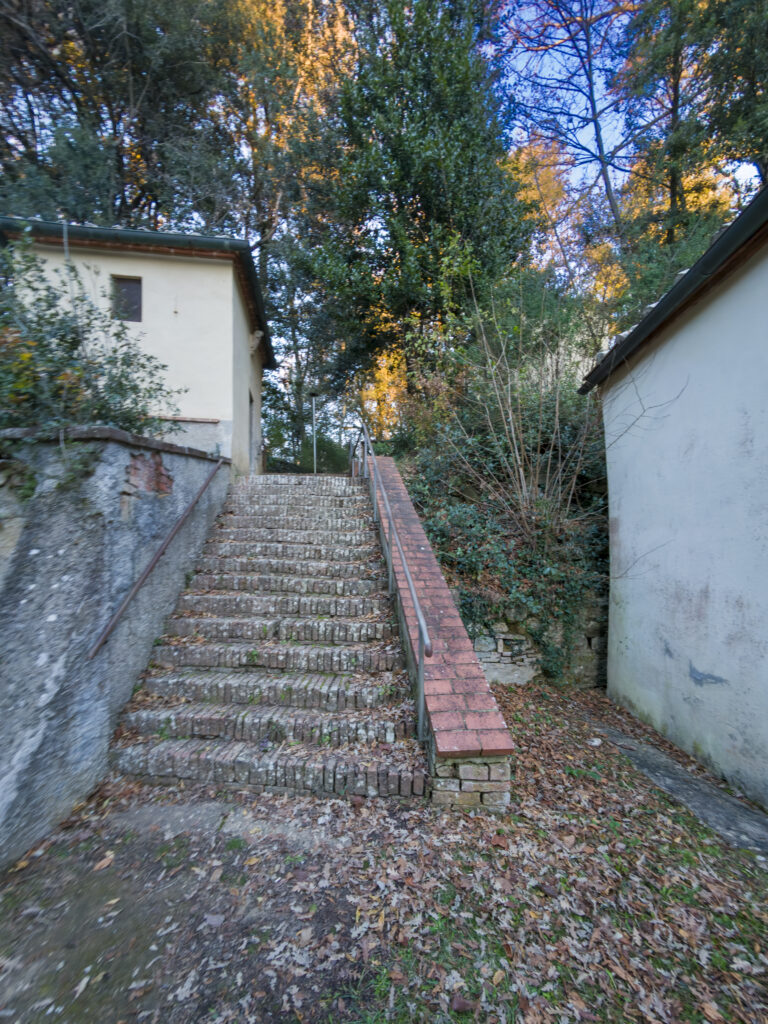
pixel 78 524
pixel 478 782
pixel 510 656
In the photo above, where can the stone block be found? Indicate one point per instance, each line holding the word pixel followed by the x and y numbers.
pixel 484 786
pixel 496 801
pixel 446 785
pixel 473 771
pixel 501 772
pixel 467 799
pixel 484 643
pixel 509 673
pixel 456 799
pixel 445 771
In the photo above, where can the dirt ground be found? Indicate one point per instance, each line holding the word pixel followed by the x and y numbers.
pixel 595 899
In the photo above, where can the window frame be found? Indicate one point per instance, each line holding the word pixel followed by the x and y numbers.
pixel 127 316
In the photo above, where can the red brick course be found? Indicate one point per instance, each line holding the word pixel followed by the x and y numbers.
pixel 462 711
pixel 147 473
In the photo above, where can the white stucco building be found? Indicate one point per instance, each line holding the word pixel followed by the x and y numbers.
pixel 685 404
pixel 192 301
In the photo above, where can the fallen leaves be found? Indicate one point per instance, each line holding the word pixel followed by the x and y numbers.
pixel 105 861
pixel 711 1012
pixel 461 1005
pixel 596 899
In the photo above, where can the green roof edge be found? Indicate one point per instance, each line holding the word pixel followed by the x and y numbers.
pixel 751 220
pixel 13 226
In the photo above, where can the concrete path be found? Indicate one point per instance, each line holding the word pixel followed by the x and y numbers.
pixel 737 823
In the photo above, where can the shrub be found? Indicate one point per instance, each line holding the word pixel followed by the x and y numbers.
pixel 331 457
pixel 507 467
pixel 64 361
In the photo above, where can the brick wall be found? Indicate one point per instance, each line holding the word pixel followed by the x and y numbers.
pixel 469 744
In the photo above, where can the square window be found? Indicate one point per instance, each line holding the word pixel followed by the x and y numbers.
pixel 126 298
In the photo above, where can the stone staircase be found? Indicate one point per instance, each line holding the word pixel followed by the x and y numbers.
pixel 281 669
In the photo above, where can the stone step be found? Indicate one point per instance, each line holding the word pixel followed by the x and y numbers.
pixel 255 583
pixel 307 631
pixel 370 568
pixel 284 483
pixel 291 551
pixel 280 670
pixel 241 765
pixel 224 604
pixel 253 687
pixel 288 518
pixel 277 535
pixel 298 478
pixel 277 502
pixel 275 725
pixel 275 655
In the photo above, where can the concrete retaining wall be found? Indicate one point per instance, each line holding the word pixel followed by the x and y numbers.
pixel 78 525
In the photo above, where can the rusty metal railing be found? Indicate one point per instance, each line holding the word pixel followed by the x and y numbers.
pixel 105 633
pixel 370 472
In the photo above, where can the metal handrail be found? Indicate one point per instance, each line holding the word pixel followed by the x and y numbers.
pixel 376 484
pixel 105 633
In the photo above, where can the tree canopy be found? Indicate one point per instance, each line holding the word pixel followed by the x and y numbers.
pixel 394 164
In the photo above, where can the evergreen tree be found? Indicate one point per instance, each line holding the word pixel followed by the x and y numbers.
pixel 421 205
pixel 677 194
pixel 104 103
pixel 736 68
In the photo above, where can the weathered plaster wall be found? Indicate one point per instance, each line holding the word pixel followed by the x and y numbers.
pixel 257 365
pixel 213 436
pixel 687 446
pixel 187 323
pixel 74 549
pixel 246 380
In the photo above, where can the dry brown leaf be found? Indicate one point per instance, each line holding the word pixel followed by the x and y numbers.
pixel 461 1005
pixel 711 1012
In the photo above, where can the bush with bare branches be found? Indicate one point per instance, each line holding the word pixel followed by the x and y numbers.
pixel 507 464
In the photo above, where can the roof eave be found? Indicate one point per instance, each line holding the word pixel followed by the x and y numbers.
pixel 134 237
pixel 718 259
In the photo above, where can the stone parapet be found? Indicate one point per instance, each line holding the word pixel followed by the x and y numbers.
pixel 90 516
pixel 475 782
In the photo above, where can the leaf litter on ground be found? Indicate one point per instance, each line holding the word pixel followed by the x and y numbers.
pixel 595 899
